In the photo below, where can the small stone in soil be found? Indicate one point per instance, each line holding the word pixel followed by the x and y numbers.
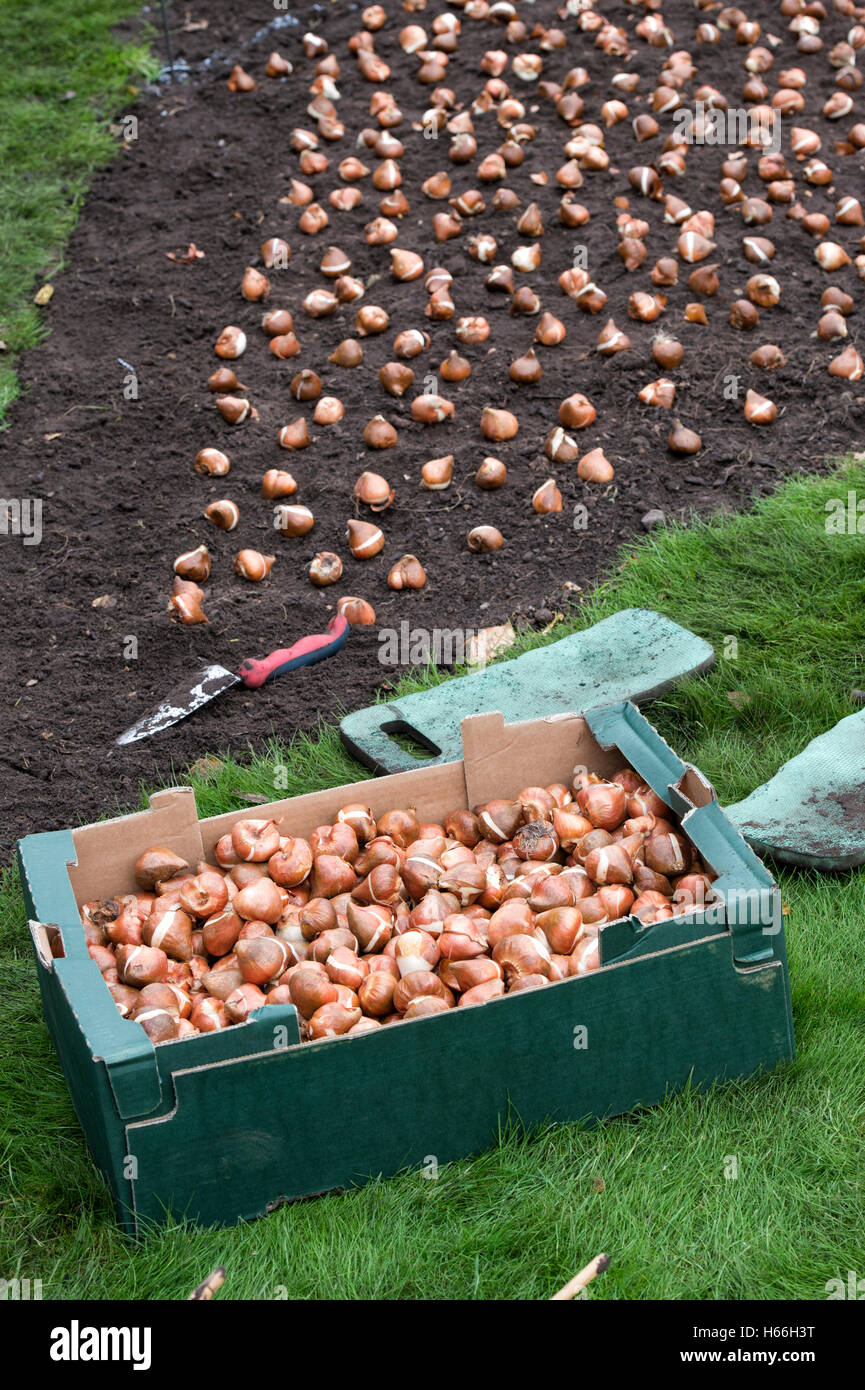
pixel 654 517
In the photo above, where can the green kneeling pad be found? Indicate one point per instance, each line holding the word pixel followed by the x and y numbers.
pixel 812 812
pixel 633 655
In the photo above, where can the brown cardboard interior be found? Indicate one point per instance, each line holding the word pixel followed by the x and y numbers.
pixel 107 850
pixel 499 761
pixel 694 786
pixel 48 941
pixel 433 791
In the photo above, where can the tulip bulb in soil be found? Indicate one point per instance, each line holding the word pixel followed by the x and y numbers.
pixel 491 474
pixel 683 441
pixel 185 602
pixel 407 573
pixel 436 473
pixel 356 611
pixel 759 410
pixel 252 565
pixel 498 425
pixel 293 520
pixel 326 568
pixel 373 491
pixel 847 365
pixel 431 409
pixel 194 564
pixel 364 539
pixel 277 483
pixel 231 343
pixel 483 539
pixel 213 463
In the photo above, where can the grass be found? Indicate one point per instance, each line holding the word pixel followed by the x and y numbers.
pixel 650 1188
pixel 50 144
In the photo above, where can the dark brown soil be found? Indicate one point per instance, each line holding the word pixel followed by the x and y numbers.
pixel 121 499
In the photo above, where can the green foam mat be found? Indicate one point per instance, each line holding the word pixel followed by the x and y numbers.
pixel 812 812
pixel 633 655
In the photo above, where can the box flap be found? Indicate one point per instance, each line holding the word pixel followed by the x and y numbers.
pixel 106 850
pixel 123 1046
pixel 752 903
pixel 44 860
pixel 501 759
pixel 641 745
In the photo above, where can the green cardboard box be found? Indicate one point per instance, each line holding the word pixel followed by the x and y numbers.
pixel 225 1126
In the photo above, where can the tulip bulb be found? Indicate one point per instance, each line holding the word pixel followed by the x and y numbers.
pixel 550 330
pixel 254 285
pixel 252 565
pixel 194 564
pixel 830 256
pixel 233 409
pixel 661 392
pixel 185 602
pixel 491 474
pixel 595 467
pixel 364 539
pixel 356 611
pixel 275 252
pixel 431 409
pixel 683 441
pixel 547 498
pixel 411 342
pixel 847 365
pixel 379 433
pixel 498 425
pixel 373 491
pixel 483 539
pixel 293 520
pixel 231 342
pixel 407 573
pixel 277 483
pixel 436 473
pixel 612 340
pixel 348 353
pixel 576 412
pixel 759 410
pixel 326 568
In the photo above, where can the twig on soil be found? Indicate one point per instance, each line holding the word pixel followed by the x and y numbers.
pixel 63 555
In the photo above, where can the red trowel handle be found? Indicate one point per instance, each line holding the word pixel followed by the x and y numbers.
pixel 255 671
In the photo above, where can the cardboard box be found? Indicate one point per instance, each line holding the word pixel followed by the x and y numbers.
pixel 228 1125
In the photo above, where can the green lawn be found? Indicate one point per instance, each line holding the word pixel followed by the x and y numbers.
pixel 650 1188
pixel 62 80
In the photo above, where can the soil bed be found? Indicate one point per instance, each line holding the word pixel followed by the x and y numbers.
pixel 120 496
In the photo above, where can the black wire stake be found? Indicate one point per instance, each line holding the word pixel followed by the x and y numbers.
pixel 169 55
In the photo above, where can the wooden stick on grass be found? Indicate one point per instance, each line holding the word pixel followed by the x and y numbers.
pixel 585 1276
pixel 211 1285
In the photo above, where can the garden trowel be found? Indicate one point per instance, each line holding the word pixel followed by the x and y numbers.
pixel 211 681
